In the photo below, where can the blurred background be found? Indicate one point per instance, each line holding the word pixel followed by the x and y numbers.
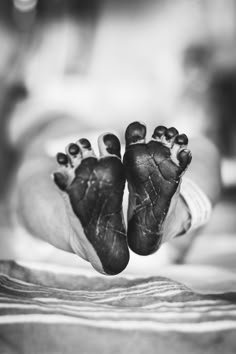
pixel 110 62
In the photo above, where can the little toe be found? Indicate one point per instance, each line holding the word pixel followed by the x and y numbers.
pixel 74 154
pixel 86 148
pixel 184 157
pixel 180 143
pixel 109 145
pixel 135 134
pixel 61 177
pixel 61 180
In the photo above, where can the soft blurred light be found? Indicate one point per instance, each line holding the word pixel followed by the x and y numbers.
pixel 25 5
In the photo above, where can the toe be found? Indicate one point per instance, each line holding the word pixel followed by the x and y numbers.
pixel 73 150
pixel 62 159
pixel 86 148
pixel 85 144
pixel 180 143
pixel 169 137
pixel 61 180
pixel 74 154
pixel 165 136
pixel 171 133
pixel 184 157
pixel 108 145
pixel 64 175
pixel 159 132
pixel 181 139
pixel 135 134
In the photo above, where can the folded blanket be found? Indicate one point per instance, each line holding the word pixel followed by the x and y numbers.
pixel 51 311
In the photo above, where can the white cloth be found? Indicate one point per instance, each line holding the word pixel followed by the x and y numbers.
pixel 199 204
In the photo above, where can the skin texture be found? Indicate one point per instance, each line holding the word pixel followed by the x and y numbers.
pixel 95 189
pixel 154 171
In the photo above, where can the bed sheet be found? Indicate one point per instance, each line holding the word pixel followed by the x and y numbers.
pixel 66 310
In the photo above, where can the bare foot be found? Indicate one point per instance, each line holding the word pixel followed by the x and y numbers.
pixel 93 191
pixel 154 171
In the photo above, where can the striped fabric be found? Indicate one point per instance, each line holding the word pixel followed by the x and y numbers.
pixel 44 311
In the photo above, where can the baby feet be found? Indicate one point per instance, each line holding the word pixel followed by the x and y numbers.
pixel 95 189
pixel 153 170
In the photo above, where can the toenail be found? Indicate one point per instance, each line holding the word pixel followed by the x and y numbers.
pixel 112 144
pixel 85 143
pixel 62 159
pixel 171 132
pixel 159 131
pixel 73 149
pixel 181 139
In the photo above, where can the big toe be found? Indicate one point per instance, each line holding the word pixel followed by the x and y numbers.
pixel 135 133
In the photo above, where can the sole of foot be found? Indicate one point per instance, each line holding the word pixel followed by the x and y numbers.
pixel 153 170
pixel 93 189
